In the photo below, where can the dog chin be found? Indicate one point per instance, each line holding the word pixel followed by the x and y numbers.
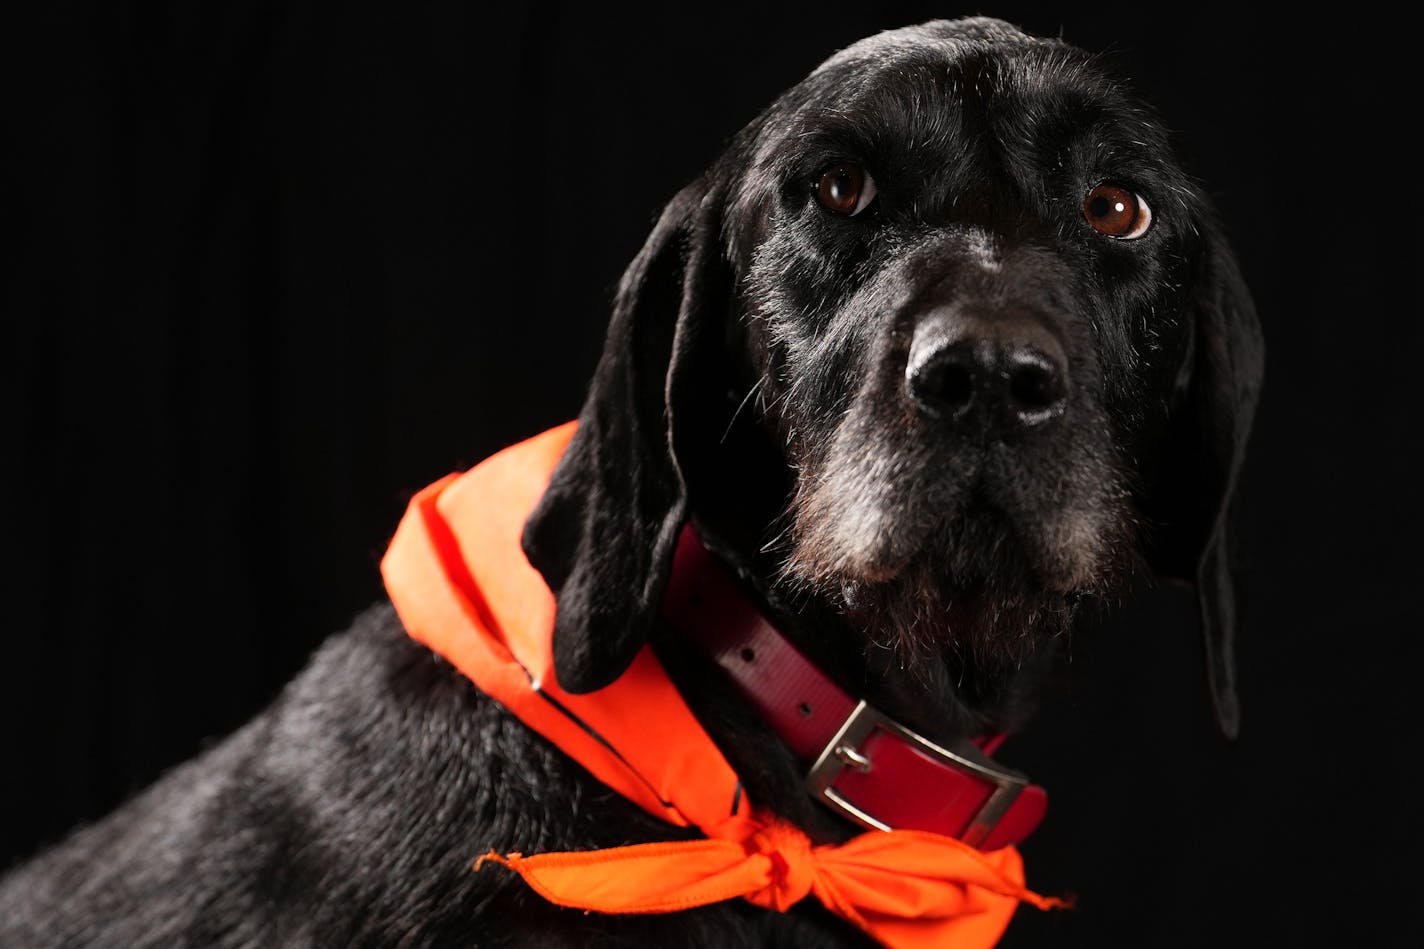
pixel 977 597
pixel 1065 553
pixel 980 638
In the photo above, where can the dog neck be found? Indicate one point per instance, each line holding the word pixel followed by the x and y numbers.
pixel 773 711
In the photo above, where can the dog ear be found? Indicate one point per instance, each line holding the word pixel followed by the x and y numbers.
pixel 604 533
pixel 1221 382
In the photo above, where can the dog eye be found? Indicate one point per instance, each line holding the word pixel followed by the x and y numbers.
pixel 845 188
pixel 1117 212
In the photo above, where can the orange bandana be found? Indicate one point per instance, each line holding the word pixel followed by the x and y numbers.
pixel 462 586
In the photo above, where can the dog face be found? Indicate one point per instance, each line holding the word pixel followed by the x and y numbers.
pixel 957 352
pixel 999 355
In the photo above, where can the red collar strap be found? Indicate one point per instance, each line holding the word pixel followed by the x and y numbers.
pixel 864 765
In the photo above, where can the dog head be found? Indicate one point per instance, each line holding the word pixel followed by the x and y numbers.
pixel 983 348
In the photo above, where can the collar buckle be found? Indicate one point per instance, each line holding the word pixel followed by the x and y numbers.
pixel 847 749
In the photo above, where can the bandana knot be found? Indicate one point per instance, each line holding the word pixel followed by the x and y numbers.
pixel 793 866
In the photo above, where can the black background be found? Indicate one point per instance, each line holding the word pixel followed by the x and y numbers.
pixel 276 266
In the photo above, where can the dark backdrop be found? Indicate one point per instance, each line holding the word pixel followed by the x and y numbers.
pixel 278 265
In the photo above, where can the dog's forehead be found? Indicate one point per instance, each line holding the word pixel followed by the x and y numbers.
pixel 913 87
pixel 939 40
pixel 924 77
pixel 946 107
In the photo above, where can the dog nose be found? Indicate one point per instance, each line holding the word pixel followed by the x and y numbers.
pixel 1012 370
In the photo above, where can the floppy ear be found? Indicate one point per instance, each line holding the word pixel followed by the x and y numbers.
pixel 604 532
pixel 1222 380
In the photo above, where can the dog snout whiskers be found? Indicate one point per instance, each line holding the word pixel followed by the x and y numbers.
pixel 1010 373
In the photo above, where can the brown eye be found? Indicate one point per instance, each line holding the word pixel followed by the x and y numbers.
pixel 845 188
pixel 1117 212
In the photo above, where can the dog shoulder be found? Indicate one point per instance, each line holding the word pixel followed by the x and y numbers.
pixel 367 788
pixel 350 812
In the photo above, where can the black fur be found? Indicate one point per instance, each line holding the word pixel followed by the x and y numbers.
pixel 753 380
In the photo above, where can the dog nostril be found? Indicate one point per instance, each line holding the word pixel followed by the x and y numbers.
pixel 944 383
pixel 1035 386
pixel 955 385
pixel 1032 387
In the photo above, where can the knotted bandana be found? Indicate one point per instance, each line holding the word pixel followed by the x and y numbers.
pixel 461 584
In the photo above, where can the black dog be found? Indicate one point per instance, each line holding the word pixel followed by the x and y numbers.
pixel 945 344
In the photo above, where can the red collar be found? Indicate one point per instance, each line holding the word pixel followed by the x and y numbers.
pixel 863 765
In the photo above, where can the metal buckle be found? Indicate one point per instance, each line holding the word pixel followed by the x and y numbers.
pixel 843 751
